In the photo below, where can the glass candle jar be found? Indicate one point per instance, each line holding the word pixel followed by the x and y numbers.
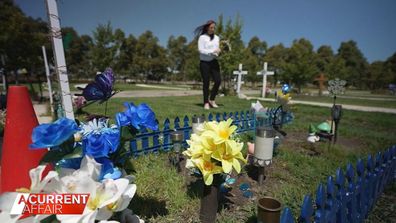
pixel 264 145
pixel 177 139
pixel 197 124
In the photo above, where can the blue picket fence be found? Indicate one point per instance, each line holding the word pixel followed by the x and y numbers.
pixel 153 142
pixel 352 199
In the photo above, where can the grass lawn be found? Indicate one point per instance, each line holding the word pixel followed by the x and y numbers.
pixel 163 195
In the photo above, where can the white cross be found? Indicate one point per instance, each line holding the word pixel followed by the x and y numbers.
pixel 239 72
pixel 265 73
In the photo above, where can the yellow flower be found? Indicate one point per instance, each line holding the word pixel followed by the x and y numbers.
pixel 207 169
pixel 219 131
pixel 283 98
pixel 229 155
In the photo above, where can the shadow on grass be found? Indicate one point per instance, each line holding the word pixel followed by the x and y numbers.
pixel 147 207
pixel 252 219
pixel 195 188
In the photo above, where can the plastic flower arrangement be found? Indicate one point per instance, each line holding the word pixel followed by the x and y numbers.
pixel 283 96
pixel 89 157
pixel 214 151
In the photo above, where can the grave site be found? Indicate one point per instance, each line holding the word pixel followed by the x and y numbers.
pixel 119 132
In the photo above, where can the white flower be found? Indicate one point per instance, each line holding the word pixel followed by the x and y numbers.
pixel 95 126
pixel 108 197
pixel 105 198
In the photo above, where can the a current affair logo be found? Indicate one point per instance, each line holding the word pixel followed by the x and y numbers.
pixel 28 204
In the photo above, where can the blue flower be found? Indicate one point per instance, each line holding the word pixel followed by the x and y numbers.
pixel 137 116
pixel 72 163
pixel 108 171
pixel 285 88
pixel 101 144
pixel 53 134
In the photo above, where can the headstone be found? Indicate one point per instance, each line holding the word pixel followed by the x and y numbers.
pixel 265 72
pixel 321 79
pixel 239 72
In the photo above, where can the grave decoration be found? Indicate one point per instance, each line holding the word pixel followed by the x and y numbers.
pixel 214 153
pixel 89 158
pixel 268 131
pixel 320 132
pixel 321 80
pixel 265 72
pixel 336 87
pixel 238 79
pixel 177 143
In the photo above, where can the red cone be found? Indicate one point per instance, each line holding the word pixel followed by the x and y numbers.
pixel 17 158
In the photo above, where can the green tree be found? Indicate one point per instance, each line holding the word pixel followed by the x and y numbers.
pixel 126 58
pixel 106 45
pixel 229 61
pixel 276 57
pixel 331 65
pixel 376 75
pixel 177 52
pixel 192 61
pixel 356 64
pixel 253 58
pixel 300 67
pixel 390 68
pixel 21 39
pixel 77 49
pixel 150 58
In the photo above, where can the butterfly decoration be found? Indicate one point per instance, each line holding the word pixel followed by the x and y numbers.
pixel 101 89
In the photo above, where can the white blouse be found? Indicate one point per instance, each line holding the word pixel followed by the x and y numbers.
pixel 206 47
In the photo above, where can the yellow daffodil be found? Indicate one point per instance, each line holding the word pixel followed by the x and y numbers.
pixel 229 155
pixel 220 131
pixel 207 169
pixel 213 147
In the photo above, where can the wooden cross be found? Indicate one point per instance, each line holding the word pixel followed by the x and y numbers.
pixel 321 79
pixel 265 72
pixel 239 72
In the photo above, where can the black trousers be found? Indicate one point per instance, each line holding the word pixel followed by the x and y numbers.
pixel 210 69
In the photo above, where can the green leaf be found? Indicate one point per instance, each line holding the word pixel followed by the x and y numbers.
pixel 128 133
pixel 53 156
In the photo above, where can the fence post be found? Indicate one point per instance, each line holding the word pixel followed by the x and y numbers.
pixel 351 194
pixel 187 129
pixel 331 207
pixel 306 210
pixel 340 183
pixel 166 136
pixel 320 212
pixel 360 190
pixel 287 216
pixel 369 185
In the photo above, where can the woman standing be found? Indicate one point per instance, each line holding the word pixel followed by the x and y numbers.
pixel 209 50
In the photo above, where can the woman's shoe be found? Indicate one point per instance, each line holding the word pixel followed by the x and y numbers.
pixel 213 104
pixel 206 106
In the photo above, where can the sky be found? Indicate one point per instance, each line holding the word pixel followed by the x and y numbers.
pixel 371 23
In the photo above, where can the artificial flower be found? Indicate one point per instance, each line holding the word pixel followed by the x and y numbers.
pixel 229 155
pixel 137 116
pixel 99 140
pixel 207 169
pixel 214 151
pixel 54 134
pixel 220 131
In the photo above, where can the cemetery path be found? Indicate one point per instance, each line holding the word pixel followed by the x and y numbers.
pixel 344 106
pixel 156 93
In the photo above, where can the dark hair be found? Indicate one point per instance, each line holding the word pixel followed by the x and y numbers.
pixel 202 29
